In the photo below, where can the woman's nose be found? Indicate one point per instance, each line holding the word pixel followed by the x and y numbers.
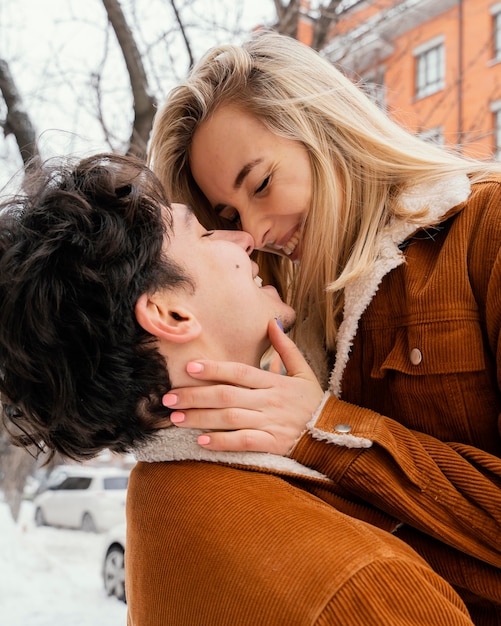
pixel 258 228
pixel 241 237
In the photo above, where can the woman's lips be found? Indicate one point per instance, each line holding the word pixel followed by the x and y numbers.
pixel 288 247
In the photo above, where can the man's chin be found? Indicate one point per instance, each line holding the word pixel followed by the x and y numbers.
pixel 288 322
pixel 288 325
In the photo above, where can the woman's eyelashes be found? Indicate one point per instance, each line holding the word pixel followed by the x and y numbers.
pixel 208 233
pixel 263 185
pixel 229 214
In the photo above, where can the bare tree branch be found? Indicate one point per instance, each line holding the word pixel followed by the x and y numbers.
pixel 96 83
pixel 288 16
pixel 183 33
pixel 144 101
pixel 322 19
pixel 324 23
pixel 17 120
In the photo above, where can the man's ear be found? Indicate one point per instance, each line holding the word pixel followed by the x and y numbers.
pixel 166 318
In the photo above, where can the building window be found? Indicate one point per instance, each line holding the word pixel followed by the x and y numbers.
pixel 433 135
pixel 430 68
pixel 496 112
pixel 497 134
pixel 496 21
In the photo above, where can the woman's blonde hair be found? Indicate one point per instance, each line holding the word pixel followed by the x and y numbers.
pixel 357 154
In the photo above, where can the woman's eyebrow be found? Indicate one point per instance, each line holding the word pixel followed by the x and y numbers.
pixel 244 172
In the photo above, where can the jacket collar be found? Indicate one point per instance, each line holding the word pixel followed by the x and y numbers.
pixel 180 444
pixel 440 200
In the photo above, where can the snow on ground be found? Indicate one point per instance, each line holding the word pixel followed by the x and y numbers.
pixel 50 576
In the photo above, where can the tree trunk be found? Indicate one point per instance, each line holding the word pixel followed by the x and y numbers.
pixel 17 121
pixel 16 464
pixel 144 101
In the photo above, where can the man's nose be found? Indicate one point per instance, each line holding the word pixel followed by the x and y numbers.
pixel 241 237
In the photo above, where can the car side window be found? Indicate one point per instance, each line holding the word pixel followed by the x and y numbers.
pixel 116 482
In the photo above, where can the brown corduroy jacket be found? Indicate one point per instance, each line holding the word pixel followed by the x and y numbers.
pixel 418 389
pixel 218 545
pixel 407 439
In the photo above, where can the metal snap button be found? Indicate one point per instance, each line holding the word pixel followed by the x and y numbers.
pixel 342 428
pixel 415 356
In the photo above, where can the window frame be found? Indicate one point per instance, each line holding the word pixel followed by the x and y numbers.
pixel 496 126
pixel 425 84
pixel 495 11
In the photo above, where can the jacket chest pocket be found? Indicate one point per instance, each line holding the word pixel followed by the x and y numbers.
pixel 444 347
pixel 437 378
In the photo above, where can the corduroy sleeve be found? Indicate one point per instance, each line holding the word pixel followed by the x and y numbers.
pixel 449 491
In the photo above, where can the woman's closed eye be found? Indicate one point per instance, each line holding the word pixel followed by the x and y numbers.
pixel 263 185
pixel 230 214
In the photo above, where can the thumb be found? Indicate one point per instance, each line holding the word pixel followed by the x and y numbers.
pixel 294 362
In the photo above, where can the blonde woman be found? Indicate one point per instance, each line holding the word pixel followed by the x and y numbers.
pixel 389 250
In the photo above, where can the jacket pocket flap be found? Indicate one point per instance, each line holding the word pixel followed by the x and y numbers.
pixel 443 347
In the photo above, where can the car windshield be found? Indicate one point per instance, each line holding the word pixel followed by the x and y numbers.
pixel 116 482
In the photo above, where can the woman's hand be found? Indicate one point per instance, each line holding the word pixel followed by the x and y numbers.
pixel 249 408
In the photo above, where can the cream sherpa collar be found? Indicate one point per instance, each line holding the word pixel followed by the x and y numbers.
pixel 439 198
pixel 177 444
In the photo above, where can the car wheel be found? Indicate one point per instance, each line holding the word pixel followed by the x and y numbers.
pixel 114 572
pixel 88 524
pixel 39 517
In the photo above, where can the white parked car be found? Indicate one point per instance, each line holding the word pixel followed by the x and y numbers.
pixel 113 565
pixel 85 497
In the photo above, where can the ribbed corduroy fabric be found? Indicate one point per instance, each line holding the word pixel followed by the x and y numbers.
pixel 423 383
pixel 215 545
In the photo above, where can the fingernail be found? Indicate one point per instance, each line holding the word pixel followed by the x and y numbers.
pixel 194 368
pixel 177 417
pixel 280 325
pixel 169 399
pixel 203 440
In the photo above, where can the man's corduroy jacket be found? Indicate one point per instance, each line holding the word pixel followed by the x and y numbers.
pixel 218 545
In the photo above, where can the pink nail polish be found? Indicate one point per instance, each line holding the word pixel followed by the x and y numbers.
pixel 203 440
pixel 194 368
pixel 177 417
pixel 169 399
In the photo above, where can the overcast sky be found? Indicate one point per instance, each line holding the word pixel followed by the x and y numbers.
pixel 53 46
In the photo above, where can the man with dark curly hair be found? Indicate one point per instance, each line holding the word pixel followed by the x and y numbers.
pixel 83 254
pixel 109 297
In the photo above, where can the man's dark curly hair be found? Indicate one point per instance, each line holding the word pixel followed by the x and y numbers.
pixel 77 248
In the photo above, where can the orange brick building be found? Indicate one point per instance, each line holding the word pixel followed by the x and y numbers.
pixel 434 65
